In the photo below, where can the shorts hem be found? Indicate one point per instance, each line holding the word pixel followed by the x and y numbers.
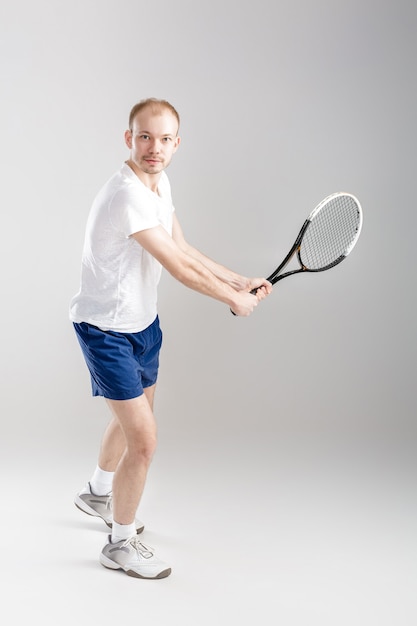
pixel 116 395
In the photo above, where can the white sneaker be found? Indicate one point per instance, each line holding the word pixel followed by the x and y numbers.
pixel 133 557
pixel 99 506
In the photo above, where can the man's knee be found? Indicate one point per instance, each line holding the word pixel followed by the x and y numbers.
pixel 143 448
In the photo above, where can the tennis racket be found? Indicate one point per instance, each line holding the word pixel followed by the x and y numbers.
pixel 327 236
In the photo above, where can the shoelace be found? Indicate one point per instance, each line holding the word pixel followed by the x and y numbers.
pixel 144 551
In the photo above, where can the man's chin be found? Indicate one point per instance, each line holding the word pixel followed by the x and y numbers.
pixel 154 168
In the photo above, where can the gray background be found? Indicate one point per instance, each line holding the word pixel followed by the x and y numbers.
pixel 283 489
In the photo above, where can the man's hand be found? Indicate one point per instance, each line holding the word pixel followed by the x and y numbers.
pixel 247 301
pixel 261 285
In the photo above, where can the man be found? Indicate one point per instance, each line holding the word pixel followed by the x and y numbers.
pixel 132 232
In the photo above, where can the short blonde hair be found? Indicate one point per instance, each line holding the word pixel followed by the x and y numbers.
pixel 156 105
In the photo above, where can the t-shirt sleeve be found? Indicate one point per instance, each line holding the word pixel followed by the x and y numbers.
pixel 130 213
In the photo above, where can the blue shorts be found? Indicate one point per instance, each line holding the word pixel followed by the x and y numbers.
pixel 121 364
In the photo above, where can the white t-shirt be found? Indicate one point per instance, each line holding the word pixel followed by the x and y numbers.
pixel 119 278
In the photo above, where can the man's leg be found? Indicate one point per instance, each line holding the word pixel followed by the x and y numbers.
pixel 136 422
pixel 125 551
pixel 113 443
pixel 96 498
pixel 130 438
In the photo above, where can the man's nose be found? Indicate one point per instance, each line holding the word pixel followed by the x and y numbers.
pixel 155 146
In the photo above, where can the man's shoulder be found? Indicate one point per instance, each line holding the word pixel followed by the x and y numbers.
pixel 122 184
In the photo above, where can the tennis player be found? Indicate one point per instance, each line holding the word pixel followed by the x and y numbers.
pixel 132 232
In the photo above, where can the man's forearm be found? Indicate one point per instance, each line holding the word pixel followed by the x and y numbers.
pixel 224 274
pixel 199 276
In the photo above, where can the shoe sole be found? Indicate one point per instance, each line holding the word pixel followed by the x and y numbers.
pixel 82 506
pixel 109 564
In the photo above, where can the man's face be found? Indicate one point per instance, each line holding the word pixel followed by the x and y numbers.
pixel 152 140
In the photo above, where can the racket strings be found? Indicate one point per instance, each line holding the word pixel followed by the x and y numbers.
pixel 331 233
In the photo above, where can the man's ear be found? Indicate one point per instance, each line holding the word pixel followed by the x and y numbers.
pixel 128 138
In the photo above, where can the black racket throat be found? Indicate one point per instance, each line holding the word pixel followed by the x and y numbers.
pixel 276 276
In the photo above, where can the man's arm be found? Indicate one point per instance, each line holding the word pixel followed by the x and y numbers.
pixel 190 271
pixel 238 282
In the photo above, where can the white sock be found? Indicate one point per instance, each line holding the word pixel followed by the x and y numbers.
pixel 122 531
pixel 101 482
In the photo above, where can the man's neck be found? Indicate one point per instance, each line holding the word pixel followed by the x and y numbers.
pixel 149 180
